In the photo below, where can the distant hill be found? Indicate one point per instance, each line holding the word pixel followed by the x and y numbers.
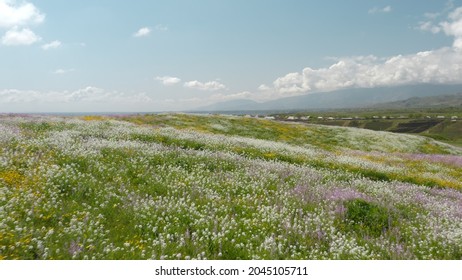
pixel 453 100
pixel 232 105
pixel 346 98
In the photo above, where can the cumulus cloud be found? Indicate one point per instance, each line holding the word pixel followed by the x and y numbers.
pixel 15 13
pixel 52 45
pixel 436 66
pixel 450 27
pixel 263 87
pixel 453 27
pixel 168 81
pixel 15 37
pixel 376 10
pixel 429 26
pixel 209 86
pixel 439 66
pixel 142 32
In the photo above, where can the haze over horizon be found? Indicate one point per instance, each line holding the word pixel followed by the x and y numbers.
pixel 177 55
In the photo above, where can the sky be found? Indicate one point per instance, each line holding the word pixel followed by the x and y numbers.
pixel 143 56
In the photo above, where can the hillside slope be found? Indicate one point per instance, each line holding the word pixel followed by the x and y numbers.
pixel 443 101
pixel 215 187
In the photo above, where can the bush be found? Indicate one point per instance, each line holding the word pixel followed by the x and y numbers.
pixel 366 218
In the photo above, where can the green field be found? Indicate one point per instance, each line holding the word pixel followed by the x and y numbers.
pixel 425 122
pixel 179 186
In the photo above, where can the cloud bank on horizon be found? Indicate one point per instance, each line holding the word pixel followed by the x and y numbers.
pixel 18 20
pixel 439 66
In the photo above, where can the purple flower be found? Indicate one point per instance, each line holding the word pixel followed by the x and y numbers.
pixel 342 194
pixel 447 159
pixel 75 248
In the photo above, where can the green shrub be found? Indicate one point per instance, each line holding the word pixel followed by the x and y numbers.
pixel 366 218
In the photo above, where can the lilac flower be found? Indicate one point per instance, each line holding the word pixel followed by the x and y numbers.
pixel 446 159
pixel 75 248
pixel 343 194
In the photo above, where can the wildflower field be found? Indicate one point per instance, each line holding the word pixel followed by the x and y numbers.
pixel 178 186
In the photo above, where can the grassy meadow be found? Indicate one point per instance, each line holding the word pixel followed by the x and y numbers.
pixel 442 124
pixel 179 186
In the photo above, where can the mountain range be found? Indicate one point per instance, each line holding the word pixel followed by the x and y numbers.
pixel 440 101
pixel 345 98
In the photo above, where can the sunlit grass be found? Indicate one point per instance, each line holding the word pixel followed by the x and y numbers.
pixel 215 187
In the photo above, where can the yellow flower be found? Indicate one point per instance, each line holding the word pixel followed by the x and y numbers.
pixel 12 177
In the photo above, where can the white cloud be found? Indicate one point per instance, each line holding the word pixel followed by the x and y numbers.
pixel 387 9
pixel 226 97
pixel 90 99
pixel 13 13
pixel 9 96
pixel 439 66
pixel 291 83
pixel 52 45
pixel 376 10
pixel 454 27
pixel 88 94
pixel 83 95
pixel 14 37
pixel 168 81
pixel 63 71
pixel 429 26
pixel 263 87
pixel 432 25
pixel 210 86
pixel 436 66
pixel 142 32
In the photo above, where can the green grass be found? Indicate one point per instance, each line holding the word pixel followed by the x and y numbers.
pixel 422 121
pixel 220 187
pixel 292 133
pixel 366 219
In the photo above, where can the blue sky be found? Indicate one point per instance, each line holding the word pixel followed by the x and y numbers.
pixel 176 55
